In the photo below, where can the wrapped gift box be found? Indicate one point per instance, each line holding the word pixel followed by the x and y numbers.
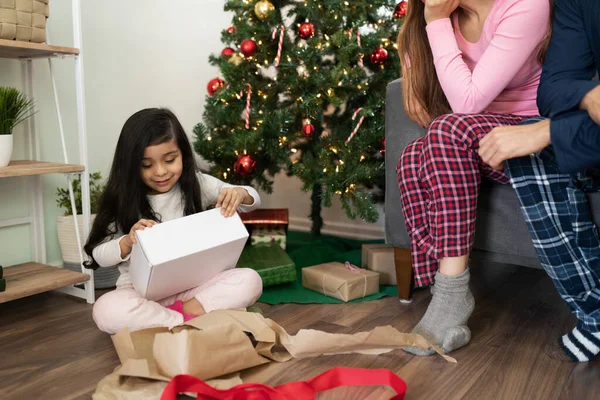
pixel 267 225
pixel 270 261
pixel 380 258
pixel 264 235
pixel 184 253
pixel 341 281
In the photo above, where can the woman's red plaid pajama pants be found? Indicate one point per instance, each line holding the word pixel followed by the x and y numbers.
pixel 439 177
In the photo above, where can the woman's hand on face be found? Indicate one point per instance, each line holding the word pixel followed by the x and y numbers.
pixel 439 9
pixel 230 199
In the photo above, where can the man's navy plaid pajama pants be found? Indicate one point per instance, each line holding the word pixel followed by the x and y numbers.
pixel 558 216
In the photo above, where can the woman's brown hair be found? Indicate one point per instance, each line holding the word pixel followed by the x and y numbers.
pixel 420 82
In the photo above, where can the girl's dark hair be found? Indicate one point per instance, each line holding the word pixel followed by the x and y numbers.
pixel 124 200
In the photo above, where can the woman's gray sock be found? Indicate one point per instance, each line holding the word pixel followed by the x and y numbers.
pixel 445 321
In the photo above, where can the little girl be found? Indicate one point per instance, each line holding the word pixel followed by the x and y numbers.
pixel 154 179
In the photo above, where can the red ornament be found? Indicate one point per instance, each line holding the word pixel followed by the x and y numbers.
pixel 401 9
pixel 231 29
pixel 214 85
pixel 244 165
pixel 248 47
pixel 382 150
pixel 306 30
pixel 227 52
pixel 308 129
pixel 379 56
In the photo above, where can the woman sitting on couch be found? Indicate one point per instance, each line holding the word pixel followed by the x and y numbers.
pixel 481 60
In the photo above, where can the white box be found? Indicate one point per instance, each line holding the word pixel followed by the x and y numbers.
pixel 184 253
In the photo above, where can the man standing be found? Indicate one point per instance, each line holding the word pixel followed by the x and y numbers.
pixel 552 163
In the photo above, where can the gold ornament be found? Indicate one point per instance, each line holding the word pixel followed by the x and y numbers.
pixel 263 8
pixel 236 59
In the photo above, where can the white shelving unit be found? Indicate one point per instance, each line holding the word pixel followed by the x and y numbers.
pixel 36 277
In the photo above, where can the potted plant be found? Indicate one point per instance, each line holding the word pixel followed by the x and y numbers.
pixel 15 107
pixel 67 239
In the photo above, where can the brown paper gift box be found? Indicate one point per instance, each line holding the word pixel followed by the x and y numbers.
pixel 335 280
pixel 380 258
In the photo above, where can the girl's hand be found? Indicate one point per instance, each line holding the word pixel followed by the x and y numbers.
pixel 439 9
pixel 128 241
pixel 230 199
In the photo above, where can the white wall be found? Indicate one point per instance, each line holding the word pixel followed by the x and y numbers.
pixel 137 54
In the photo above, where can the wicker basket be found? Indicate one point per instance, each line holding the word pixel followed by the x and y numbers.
pixel 23 20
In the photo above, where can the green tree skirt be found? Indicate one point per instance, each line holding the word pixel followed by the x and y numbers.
pixel 307 251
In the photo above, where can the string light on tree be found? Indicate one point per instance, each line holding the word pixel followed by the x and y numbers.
pixel 214 85
pixel 263 8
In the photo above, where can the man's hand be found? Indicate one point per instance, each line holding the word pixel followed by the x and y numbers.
pixel 439 9
pixel 591 103
pixel 506 142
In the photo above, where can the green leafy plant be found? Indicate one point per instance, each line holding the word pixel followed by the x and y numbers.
pixel 96 190
pixel 15 107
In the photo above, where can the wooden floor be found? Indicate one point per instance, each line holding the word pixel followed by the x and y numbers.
pixel 51 349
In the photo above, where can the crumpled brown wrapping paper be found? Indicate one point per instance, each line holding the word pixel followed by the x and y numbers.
pixel 222 343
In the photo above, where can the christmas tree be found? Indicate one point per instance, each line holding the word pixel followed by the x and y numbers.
pixel 303 89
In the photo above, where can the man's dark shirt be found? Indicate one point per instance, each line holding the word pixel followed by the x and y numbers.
pixel 572 61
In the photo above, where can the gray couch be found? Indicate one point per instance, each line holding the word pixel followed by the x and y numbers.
pixel 501 233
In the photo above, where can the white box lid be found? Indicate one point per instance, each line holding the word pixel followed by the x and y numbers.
pixel 188 235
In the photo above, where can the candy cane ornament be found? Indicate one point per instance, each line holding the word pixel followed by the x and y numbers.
pixel 280 44
pixel 360 121
pixel 248 106
pixel 360 61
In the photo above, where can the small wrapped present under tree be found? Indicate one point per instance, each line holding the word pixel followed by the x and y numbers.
pixel 380 258
pixel 341 281
pixel 270 261
pixel 267 225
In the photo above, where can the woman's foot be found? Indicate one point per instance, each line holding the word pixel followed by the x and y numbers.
pixel 445 321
